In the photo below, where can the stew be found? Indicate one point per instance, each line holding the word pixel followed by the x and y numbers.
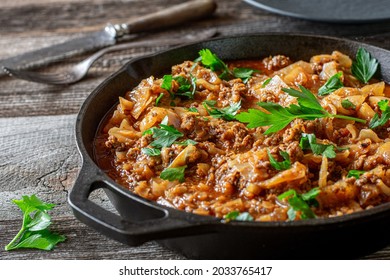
pixel 265 140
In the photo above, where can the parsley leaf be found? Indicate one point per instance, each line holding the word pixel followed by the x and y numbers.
pixel 164 136
pixel 355 173
pixel 151 151
pixel 266 82
pixel 282 165
pixel 346 104
pixel 34 232
pixel 187 142
pixel 309 141
pixel 365 66
pixel 300 203
pixel 385 108
pixel 167 82
pixel 332 84
pixel 213 62
pixel 186 88
pixel 159 98
pixel 237 216
pixel 243 73
pixel 279 117
pixel 305 98
pixel 210 103
pixel 227 113
pixel 193 110
pixel 173 173
pixel 311 195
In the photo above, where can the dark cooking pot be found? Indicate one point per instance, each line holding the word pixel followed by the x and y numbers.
pixel 195 236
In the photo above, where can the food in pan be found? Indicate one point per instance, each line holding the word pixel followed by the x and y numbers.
pixel 265 140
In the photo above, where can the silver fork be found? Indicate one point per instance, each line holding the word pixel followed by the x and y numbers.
pixel 78 71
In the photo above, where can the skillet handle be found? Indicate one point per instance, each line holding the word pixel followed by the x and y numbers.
pixel 161 223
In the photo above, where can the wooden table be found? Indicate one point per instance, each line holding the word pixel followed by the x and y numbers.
pixel 38 153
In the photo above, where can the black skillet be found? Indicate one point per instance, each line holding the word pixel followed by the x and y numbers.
pixel 140 220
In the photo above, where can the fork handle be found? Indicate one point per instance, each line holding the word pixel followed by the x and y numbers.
pixel 168 17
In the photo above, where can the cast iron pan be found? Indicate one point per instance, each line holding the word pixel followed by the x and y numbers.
pixel 140 220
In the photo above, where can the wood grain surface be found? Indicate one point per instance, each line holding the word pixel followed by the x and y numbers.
pixel 38 154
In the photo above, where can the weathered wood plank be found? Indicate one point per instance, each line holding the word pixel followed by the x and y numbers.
pixel 37 156
pixel 18 3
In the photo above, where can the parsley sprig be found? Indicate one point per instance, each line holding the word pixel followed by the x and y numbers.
pixel 173 173
pixel 164 136
pixel 266 82
pixel 309 141
pixel 300 203
pixel 228 113
pixel 346 104
pixel 186 142
pixel 213 62
pixel 332 84
pixel 355 173
pixel 364 66
pixel 158 99
pixel 237 216
pixel 153 152
pixel 279 117
pixel 380 121
pixel 280 165
pixel 34 232
pixel 186 88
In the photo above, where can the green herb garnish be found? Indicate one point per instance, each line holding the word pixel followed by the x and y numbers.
pixel 212 61
pixel 164 136
pixel 237 216
pixel 348 104
pixel 34 232
pixel 243 73
pixel 227 113
pixel 173 173
pixel 301 203
pixel 210 103
pixel 193 110
pixel 186 142
pixel 355 173
pixel 186 88
pixel 331 85
pixel 364 66
pixel 159 98
pixel 385 108
pixel 309 141
pixel 282 165
pixel 167 83
pixel 266 82
pixel 153 152
pixel 279 117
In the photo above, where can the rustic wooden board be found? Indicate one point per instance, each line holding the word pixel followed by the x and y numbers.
pixel 38 154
